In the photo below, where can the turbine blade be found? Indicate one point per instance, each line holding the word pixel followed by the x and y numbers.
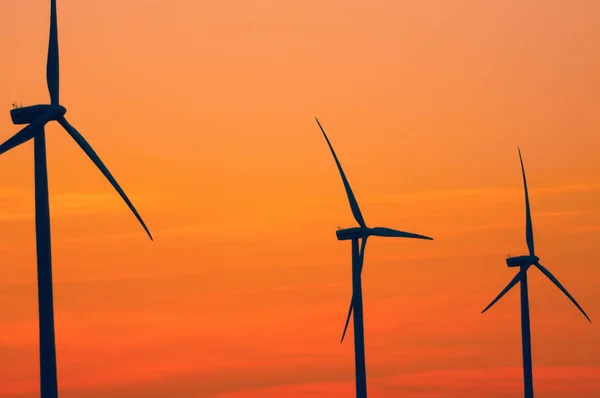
pixel 528 224
pixel 22 136
pixel 353 203
pixel 394 233
pixel 510 285
pixel 347 319
pixel 549 275
pixel 362 251
pixel 361 259
pixel 83 144
pixel 52 63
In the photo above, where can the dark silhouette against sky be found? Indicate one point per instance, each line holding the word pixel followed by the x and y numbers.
pixel 356 303
pixel 36 117
pixel 241 298
pixel 524 262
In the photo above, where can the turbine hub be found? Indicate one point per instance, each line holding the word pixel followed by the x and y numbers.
pixel 522 261
pixel 350 233
pixel 59 110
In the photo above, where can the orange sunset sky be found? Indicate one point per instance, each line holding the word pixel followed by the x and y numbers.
pixel 204 112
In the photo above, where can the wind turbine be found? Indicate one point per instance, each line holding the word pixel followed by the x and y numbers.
pixel 524 262
pixel 36 118
pixel 354 234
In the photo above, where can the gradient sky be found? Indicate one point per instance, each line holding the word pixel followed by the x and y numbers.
pixel 204 112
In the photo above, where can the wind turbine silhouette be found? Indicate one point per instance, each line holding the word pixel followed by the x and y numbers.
pixel 524 262
pixel 36 118
pixel 354 234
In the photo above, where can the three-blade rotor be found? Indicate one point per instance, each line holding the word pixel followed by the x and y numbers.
pixel 530 245
pixel 56 112
pixel 366 232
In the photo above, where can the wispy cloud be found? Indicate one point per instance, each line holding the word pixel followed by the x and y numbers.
pixel 501 380
pixel 443 383
pixel 583 229
pixel 8 192
pixel 497 193
pixel 78 202
pixel 183 230
pixel 62 204
pixel 15 215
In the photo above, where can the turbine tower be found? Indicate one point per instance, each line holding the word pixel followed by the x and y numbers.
pixel 524 262
pixel 354 234
pixel 36 117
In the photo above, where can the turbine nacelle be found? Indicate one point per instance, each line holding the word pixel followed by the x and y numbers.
pixel 352 233
pixel 522 261
pixel 29 114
